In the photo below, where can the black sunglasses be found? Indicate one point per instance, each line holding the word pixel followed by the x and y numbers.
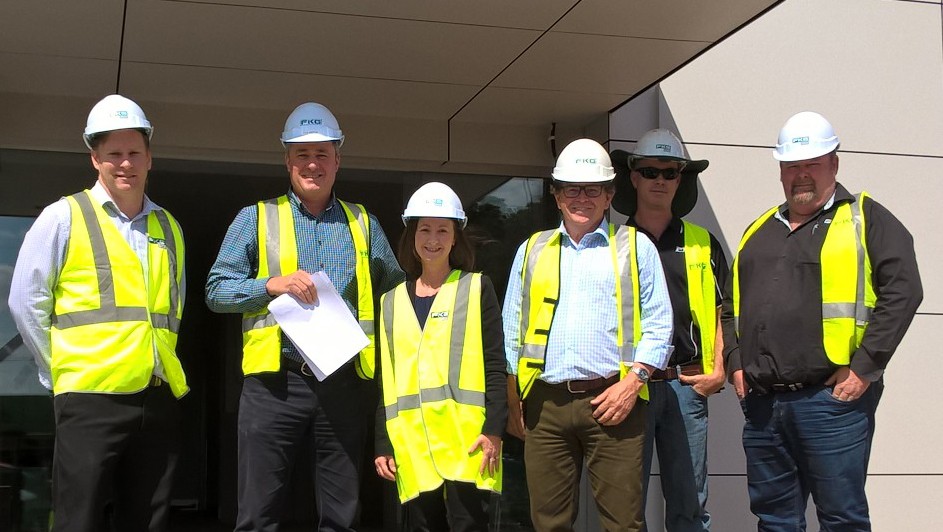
pixel 669 174
pixel 573 191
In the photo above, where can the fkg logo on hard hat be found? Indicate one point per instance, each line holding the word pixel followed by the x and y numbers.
pixel 437 202
pixel 800 140
pixel 121 114
pixel 586 160
pixel 663 147
pixel 311 121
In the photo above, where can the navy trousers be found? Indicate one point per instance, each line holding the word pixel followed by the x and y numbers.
pixel 287 410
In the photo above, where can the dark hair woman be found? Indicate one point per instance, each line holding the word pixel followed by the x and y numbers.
pixel 442 373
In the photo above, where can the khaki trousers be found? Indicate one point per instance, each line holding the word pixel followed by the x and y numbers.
pixel 562 439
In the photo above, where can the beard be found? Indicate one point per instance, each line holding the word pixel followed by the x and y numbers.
pixel 804 197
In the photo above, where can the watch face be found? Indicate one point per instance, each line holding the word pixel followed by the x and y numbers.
pixel 642 374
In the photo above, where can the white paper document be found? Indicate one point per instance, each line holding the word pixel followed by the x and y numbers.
pixel 326 334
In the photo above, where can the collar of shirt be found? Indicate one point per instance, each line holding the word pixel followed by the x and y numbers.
pixel 596 238
pixel 674 226
pixel 296 203
pixel 840 195
pixel 100 195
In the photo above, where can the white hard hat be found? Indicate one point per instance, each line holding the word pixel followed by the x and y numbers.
pixel 805 135
pixel 664 145
pixel 583 161
pixel 435 200
pixel 112 113
pixel 312 122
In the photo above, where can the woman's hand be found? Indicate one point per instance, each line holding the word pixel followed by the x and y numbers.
pixel 490 453
pixel 386 466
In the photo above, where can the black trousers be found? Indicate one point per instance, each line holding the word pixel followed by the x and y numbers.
pixel 455 506
pixel 114 460
pixel 278 412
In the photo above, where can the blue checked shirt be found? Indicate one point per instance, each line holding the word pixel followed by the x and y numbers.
pixel 582 341
pixel 324 244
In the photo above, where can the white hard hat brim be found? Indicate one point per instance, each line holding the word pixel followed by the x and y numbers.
pixel 691 166
pixel 793 156
pixel 462 222
pixel 314 137
pixel 87 136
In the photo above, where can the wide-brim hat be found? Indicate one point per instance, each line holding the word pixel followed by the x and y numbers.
pixel 625 199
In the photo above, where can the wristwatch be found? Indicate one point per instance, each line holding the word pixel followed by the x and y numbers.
pixel 641 373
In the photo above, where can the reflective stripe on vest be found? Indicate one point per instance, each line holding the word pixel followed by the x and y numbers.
pixel 540 292
pixel 359 224
pixel 278 255
pixel 124 315
pixel 702 289
pixel 847 291
pixel 434 386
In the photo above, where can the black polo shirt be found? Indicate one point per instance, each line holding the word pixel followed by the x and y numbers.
pixel 687 335
pixel 781 339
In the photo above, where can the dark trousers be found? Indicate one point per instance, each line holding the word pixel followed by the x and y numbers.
pixel 807 442
pixel 455 506
pixel 114 460
pixel 280 412
pixel 563 438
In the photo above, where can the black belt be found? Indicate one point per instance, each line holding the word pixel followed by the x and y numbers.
pixel 787 387
pixel 297 366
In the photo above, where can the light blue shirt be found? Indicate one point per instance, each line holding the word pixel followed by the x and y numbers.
pixel 40 262
pixel 582 341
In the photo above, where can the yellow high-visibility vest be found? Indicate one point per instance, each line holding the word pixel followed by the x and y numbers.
pixel 702 289
pixel 847 290
pixel 434 386
pixel 278 255
pixel 109 320
pixel 540 289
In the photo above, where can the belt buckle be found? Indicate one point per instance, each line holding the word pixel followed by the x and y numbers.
pixel 306 370
pixel 571 390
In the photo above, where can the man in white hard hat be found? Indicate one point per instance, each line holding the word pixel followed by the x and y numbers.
pixel 824 287
pixel 587 320
pixel 271 249
pixel 97 295
pixel 656 186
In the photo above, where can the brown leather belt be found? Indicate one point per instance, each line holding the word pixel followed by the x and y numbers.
pixel 673 372
pixel 156 381
pixel 584 386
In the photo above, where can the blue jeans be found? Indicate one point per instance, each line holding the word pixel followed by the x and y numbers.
pixel 677 427
pixel 807 442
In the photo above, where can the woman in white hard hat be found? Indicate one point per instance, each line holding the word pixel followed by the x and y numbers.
pixel 442 373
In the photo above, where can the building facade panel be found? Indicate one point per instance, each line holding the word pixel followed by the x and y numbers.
pixel 873 67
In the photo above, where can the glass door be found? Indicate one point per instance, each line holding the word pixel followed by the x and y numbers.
pixel 26 418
